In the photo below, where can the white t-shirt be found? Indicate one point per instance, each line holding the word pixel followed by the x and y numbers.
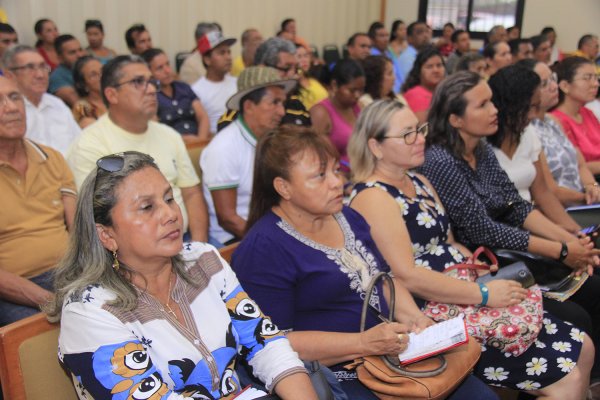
pixel 51 123
pixel 214 95
pixel 520 168
pixel 160 141
pixel 228 163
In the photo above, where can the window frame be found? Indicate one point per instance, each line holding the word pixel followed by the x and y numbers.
pixel 473 34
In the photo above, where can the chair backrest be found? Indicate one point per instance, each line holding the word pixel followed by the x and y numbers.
pixel 180 58
pixel 331 54
pixel 194 150
pixel 314 51
pixel 227 251
pixel 29 367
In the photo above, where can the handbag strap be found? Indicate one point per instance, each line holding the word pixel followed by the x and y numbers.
pixel 393 362
pixel 369 292
pixel 471 261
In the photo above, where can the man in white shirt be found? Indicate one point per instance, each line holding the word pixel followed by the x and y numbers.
pixel 192 69
pixel 227 162
pixel 49 120
pixel 218 85
pixel 129 93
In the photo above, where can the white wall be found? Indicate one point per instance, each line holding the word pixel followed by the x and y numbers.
pixel 570 18
pixel 172 22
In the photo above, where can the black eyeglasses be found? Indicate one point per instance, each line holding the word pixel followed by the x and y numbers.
pixel 141 83
pixel 285 69
pixel 410 137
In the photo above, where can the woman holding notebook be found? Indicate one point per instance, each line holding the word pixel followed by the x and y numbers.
pixel 411 228
pixel 307 261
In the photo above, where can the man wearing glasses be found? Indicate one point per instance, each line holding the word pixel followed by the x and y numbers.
pixel 38 198
pixel 279 54
pixel 218 85
pixel 49 120
pixel 129 93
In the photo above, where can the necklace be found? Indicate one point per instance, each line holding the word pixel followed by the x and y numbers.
pixel 167 304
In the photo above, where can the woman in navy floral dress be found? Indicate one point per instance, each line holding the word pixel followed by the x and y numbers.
pixel 411 229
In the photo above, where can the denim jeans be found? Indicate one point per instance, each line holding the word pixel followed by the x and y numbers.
pixel 11 312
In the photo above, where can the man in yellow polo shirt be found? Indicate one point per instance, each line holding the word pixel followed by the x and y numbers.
pixel 38 206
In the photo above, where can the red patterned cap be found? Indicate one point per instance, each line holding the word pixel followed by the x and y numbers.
pixel 212 39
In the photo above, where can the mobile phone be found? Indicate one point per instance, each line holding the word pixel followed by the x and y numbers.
pixel 593 231
pixel 590 230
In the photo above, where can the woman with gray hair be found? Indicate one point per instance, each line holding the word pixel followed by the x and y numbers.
pixel 138 318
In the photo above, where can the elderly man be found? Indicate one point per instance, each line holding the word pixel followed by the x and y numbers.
pixel 218 85
pixel 62 84
pixel 138 39
pixel 49 120
pixel 359 46
pixel 8 37
pixel 38 206
pixel 129 93
pixel 497 34
pixel 279 54
pixel 192 68
pixel 418 36
pixel 251 39
pixel 227 163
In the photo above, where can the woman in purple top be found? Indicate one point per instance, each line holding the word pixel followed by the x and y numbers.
pixel 336 115
pixel 178 106
pixel 307 260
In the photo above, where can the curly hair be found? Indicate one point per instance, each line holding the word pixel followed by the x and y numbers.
pixel 512 90
pixel 414 76
pixel 374 67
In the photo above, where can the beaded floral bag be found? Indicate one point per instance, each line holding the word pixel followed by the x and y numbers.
pixel 510 329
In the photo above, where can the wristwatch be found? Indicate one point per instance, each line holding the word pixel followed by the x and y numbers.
pixel 564 252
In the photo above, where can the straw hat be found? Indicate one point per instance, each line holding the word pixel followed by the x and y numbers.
pixel 258 77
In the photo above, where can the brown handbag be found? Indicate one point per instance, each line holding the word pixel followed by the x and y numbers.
pixel 432 378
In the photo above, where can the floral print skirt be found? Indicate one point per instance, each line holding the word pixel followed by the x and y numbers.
pixel 550 358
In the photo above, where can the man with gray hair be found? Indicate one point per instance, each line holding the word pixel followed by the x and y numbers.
pixel 279 54
pixel 38 207
pixel 192 68
pixel 49 121
pixel 129 93
pixel 497 34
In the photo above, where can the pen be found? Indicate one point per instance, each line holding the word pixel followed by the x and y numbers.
pixel 378 315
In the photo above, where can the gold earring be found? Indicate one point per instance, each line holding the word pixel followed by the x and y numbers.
pixel 115 263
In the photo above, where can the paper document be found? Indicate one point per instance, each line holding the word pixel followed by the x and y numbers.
pixel 250 393
pixel 435 339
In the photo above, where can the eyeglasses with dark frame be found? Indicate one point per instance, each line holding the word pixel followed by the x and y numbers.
pixel 31 67
pixel 139 83
pixel 410 137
